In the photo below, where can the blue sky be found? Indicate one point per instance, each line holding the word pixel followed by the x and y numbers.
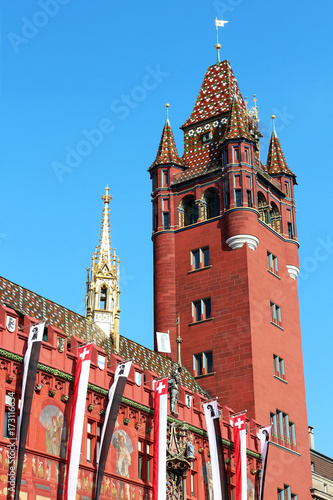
pixel 69 68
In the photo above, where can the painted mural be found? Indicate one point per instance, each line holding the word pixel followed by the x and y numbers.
pixel 123 444
pixel 56 431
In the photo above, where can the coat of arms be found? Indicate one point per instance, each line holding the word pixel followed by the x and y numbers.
pixel 60 344
pixel 11 324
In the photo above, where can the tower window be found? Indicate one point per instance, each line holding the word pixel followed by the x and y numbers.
pixel 238 197
pixel 203 363
pixel 212 199
pixel 166 220
pixel 275 314
pixel 155 216
pixel 103 298
pixel 191 212
pixel 247 156
pixel 207 137
pixel 235 152
pixel 283 429
pixel 279 370
pixel 165 178
pixel 199 258
pixel 201 310
pixel 272 262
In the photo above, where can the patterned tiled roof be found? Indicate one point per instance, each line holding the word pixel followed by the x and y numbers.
pixel 276 162
pixel 238 127
pixel 29 303
pixel 215 94
pixel 167 150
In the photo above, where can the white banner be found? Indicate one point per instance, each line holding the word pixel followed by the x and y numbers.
pixel 264 436
pixel 163 342
pixel 211 413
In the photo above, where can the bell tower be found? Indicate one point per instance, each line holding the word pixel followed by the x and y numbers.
pixel 102 297
pixel 225 270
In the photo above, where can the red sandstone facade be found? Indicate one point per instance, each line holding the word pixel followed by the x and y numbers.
pixel 128 476
pixel 225 268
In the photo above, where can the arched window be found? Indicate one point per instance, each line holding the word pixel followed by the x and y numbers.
pixel 191 211
pixel 275 218
pixel 103 297
pixel 212 199
pixel 262 206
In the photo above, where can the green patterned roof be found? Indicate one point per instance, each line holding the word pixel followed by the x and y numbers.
pixel 29 303
pixel 167 150
pixel 276 162
pixel 237 127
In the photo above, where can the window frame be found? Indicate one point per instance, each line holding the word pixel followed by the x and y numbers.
pixel 279 367
pixel 276 317
pixel 203 363
pixel 200 255
pixel 272 262
pixel 201 305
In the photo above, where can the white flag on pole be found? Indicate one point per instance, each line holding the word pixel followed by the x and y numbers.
pixel 220 23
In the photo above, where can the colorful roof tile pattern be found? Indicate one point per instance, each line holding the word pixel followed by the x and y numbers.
pixel 276 162
pixel 215 94
pixel 167 151
pixel 238 127
pixel 29 303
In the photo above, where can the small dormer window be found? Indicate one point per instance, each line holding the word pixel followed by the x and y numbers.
pixel 207 137
pixel 102 298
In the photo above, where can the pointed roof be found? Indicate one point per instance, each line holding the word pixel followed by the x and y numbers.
pixel 104 254
pixel 237 127
pixel 215 94
pixel 167 151
pixel 276 162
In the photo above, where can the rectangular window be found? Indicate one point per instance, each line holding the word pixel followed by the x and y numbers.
pixel 283 429
pixel 287 188
pixel 247 158
pixel 199 258
pixel 90 438
pixel 279 370
pixel 238 197
pixel 285 493
pixel 226 193
pixel 166 220
pixel 165 178
pixel 201 310
pixel 249 198
pixel 154 181
pixel 235 152
pixel 275 314
pixel 203 363
pixel 290 230
pixel 155 216
pixel 272 262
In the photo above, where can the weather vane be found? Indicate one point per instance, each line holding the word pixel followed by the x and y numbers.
pixel 218 45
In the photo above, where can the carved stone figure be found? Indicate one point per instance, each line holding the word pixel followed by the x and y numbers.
pixel 174 382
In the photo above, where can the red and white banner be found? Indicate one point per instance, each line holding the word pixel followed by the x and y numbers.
pixel 264 435
pixel 160 431
pixel 239 425
pixel 77 419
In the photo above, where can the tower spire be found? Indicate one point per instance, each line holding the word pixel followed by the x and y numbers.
pixel 102 298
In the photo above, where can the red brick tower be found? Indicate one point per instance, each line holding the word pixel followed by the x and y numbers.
pixel 225 269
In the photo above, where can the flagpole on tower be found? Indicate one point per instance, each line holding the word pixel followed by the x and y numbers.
pixel 218 45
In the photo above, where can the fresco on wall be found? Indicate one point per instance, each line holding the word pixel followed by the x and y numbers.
pixel 250 490
pixel 56 431
pixel 123 444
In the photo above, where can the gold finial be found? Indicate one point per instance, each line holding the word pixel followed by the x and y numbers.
pixel 167 111
pixel 245 100
pixel 273 118
pixel 255 106
pixel 106 197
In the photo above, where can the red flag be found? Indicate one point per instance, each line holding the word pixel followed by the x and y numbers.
pixel 160 429
pixel 239 424
pixel 77 418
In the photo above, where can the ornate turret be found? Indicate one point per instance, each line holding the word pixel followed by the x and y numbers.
pixel 102 298
pixel 167 153
pixel 276 162
pixel 237 127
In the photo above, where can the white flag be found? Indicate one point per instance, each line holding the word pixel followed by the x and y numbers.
pixel 211 413
pixel 220 23
pixel 163 342
pixel 264 435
